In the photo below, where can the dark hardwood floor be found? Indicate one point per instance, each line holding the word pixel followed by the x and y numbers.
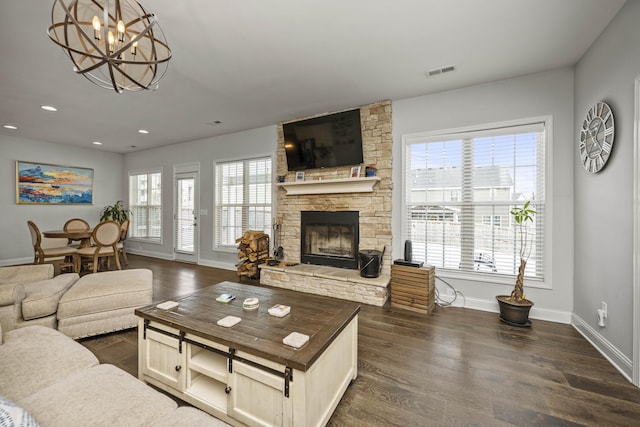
pixel 454 367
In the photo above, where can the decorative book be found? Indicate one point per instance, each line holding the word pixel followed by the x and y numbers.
pixel 225 298
pixel 279 310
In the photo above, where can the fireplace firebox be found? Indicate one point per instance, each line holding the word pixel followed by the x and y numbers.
pixel 330 238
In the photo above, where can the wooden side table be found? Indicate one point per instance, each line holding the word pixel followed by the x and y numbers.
pixel 413 288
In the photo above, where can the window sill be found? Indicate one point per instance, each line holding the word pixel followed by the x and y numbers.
pixel 490 278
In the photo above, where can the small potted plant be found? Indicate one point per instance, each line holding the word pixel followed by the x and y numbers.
pixel 115 213
pixel 514 308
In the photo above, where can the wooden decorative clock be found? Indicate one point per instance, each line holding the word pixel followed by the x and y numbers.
pixel 596 137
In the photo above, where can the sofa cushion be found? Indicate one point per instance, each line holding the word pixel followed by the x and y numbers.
pixel 99 292
pixel 43 296
pixel 99 396
pixel 35 357
pixel 14 415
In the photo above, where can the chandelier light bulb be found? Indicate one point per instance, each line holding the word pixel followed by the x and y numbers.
pixel 120 31
pixel 112 41
pixel 134 55
pixel 96 28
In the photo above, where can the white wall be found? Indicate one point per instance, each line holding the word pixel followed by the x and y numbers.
pixel 604 201
pixel 255 142
pixel 543 94
pixel 107 189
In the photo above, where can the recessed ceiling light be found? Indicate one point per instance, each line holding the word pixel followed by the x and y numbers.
pixel 143 131
pixel 48 108
pixel 97 143
pixel 12 127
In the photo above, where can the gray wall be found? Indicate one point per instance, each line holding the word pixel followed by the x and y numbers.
pixel 107 189
pixel 541 94
pixel 603 202
pixel 255 142
pixel 590 217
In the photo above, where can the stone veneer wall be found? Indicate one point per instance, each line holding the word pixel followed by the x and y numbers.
pixel 375 208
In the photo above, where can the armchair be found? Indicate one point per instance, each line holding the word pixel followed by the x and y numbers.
pixel 29 294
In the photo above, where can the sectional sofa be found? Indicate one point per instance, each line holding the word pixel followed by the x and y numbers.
pixel 48 379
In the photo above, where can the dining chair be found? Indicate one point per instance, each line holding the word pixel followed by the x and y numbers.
pixel 75 224
pixel 49 250
pixel 106 236
pixel 124 232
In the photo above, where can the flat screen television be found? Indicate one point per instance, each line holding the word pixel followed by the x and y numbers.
pixel 323 142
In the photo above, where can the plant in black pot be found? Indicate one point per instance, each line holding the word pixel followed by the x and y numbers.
pixel 114 212
pixel 514 308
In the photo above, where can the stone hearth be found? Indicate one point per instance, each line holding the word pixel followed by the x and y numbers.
pixel 328 281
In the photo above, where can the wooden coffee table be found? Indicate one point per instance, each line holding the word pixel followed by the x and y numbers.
pixel 245 374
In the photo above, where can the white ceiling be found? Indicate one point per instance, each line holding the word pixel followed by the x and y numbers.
pixel 253 63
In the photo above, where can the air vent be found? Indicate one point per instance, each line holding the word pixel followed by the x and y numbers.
pixel 438 71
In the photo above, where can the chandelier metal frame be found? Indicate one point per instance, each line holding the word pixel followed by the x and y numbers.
pixel 115 44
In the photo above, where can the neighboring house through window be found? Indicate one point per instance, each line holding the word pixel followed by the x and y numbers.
pixel 459 188
pixel 243 199
pixel 145 203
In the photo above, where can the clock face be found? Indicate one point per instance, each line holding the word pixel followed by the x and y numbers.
pixel 596 137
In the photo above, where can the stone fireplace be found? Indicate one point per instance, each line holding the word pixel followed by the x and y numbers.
pixel 329 190
pixel 330 238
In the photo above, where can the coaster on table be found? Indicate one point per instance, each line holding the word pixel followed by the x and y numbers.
pixel 167 305
pixel 279 310
pixel 295 339
pixel 229 321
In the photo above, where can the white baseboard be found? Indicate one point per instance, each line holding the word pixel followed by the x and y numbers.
pixel 217 264
pixel 491 306
pixel 16 261
pixel 151 254
pixel 621 362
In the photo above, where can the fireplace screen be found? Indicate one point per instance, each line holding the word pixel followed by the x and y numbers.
pixel 330 238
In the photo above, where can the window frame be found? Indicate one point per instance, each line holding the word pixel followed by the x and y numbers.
pixel 488 277
pixel 148 172
pixel 233 248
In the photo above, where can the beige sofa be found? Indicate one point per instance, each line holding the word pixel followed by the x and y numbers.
pixel 54 380
pixel 77 306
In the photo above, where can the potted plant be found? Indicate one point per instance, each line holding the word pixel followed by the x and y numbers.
pixel 115 212
pixel 514 308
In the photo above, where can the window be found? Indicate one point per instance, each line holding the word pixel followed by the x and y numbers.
pixel 460 187
pixel 243 199
pixel 145 203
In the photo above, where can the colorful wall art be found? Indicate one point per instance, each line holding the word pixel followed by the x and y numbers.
pixel 40 183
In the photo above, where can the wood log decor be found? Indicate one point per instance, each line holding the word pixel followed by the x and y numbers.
pixel 253 250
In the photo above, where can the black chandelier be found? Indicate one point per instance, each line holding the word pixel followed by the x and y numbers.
pixel 116 44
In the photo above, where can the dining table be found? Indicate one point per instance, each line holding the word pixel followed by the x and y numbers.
pixel 84 236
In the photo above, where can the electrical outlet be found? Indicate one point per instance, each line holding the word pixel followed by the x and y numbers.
pixel 602 314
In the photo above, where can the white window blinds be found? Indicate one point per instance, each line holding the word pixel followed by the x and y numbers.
pixel 243 199
pixel 145 203
pixel 460 188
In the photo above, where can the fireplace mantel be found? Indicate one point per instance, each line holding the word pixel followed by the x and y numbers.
pixel 330 186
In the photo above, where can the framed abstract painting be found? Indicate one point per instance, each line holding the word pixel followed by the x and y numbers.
pixel 44 184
